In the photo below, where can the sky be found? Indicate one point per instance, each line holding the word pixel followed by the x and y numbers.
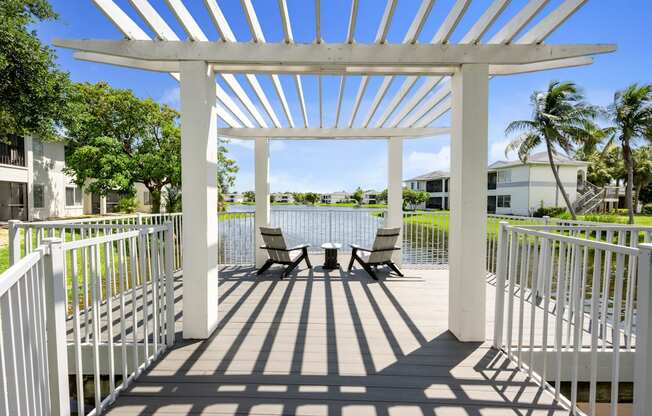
pixel 325 165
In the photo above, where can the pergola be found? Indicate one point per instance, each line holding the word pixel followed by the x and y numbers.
pixel 436 77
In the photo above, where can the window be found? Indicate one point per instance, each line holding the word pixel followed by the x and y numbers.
pixel 435 185
pixel 39 196
pixel 37 149
pixel 147 198
pixel 504 176
pixel 504 201
pixel 12 151
pixel 412 185
pixel 73 196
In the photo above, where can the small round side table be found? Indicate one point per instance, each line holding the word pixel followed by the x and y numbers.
pixel 330 255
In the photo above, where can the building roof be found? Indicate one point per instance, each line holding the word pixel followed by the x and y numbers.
pixel 540 158
pixel 435 174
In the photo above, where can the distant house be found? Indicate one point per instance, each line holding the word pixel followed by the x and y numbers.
pixel 283 197
pixel 513 187
pixel 335 197
pixel 370 197
pixel 234 198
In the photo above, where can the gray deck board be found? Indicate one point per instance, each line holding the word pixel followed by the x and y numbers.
pixel 334 344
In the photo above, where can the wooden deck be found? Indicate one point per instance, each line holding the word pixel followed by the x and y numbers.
pixel 332 343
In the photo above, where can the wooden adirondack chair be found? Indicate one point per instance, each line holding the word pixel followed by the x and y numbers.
pixel 380 253
pixel 279 253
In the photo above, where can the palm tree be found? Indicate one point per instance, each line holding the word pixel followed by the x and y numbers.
pixel 589 135
pixel 631 114
pixel 557 114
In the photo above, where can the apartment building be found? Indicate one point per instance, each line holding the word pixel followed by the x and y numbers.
pixel 513 187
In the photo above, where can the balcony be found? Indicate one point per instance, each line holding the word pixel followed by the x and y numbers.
pixel 12 152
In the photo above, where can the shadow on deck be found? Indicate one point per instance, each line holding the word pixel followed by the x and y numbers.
pixel 333 343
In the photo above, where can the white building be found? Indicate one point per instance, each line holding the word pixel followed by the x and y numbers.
pixel 33 185
pixel 234 198
pixel 335 197
pixel 283 197
pixel 513 187
pixel 370 197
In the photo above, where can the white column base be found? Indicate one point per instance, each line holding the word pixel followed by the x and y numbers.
pixel 468 203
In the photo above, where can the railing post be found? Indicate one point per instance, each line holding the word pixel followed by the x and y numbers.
pixel 169 283
pixel 14 241
pixel 139 218
pixel 546 220
pixel 643 357
pixel 501 272
pixel 56 338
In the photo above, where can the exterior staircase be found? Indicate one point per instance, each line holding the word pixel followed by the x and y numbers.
pixel 590 197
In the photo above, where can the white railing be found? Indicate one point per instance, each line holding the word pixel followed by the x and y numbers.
pixel 236 238
pixel 25 236
pixel 105 300
pixel 570 301
pixel 425 239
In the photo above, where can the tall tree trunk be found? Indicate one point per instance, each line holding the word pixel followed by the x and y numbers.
pixel 155 194
pixel 558 180
pixel 629 166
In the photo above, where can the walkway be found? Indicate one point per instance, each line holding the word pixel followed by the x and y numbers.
pixel 324 343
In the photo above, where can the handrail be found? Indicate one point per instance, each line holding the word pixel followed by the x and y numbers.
pixel 17 271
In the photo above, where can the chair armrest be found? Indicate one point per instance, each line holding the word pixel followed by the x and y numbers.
pixel 299 247
pixel 357 247
pixel 275 249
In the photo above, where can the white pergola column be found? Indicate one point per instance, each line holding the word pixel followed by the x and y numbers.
pixel 395 189
pixel 261 170
pixel 199 197
pixel 468 203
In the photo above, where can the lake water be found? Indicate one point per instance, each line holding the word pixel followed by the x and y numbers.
pixel 317 225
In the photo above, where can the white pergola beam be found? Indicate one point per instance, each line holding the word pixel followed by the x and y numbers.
pixel 261 184
pixel 552 21
pixel 331 133
pixel 334 56
pixel 518 22
pixel 450 23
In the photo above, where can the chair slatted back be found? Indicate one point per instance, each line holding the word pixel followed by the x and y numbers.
pixel 275 243
pixel 385 241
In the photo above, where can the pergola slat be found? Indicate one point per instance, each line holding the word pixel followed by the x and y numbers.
pixel 195 33
pixel 381 36
pixel 443 33
pixel 224 29
pixel 259 37
pixel 435 113
pixel 339 59
pixel 411 36
pixel 537 34
pixel 132 31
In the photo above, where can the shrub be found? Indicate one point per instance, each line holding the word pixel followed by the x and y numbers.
pixel 127 204
pixel 606 218
pixel 549 211
pixel 647 209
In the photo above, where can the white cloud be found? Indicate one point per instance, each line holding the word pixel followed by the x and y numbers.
pixel 418 163
pixel 171 97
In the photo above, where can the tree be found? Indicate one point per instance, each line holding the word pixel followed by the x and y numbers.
pixel 642 160
pixel 412 198
pixel 358 196
pixel 382 197
pixel 631 114
pixel 116 139
pixel 226 170
pixel 589 136
pixel 311 198
pixel 299 197
pixel 557 114
pixel 32 89
pixel 249 196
